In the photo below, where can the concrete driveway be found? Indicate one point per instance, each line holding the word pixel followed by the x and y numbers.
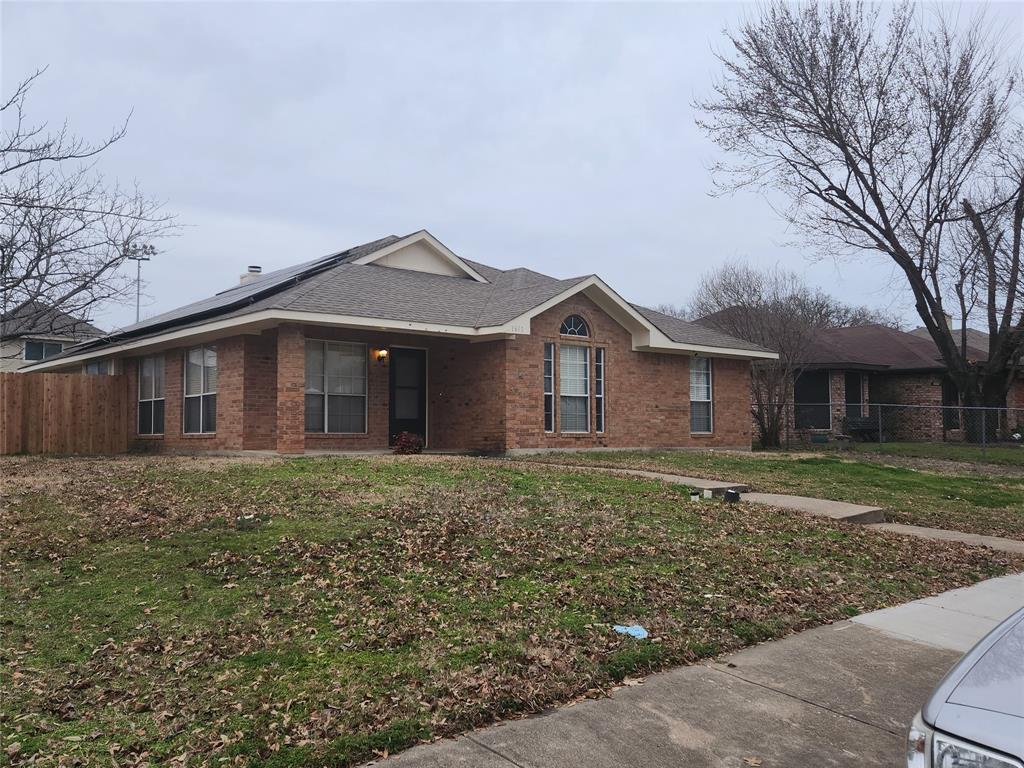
pixel 840 695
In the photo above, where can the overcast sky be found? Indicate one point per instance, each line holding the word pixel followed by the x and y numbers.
pixel 557 137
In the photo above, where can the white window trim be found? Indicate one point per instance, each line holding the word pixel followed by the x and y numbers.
pixel 599 397
pixel 586 368
pixel 202 384
pixel 711 398
pixel 581 319
pixel 154 399
pixel 549 346
pixel 365 395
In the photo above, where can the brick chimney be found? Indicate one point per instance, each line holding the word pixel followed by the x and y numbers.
pixel 254 271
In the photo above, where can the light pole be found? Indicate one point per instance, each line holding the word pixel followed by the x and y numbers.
pixel 140 254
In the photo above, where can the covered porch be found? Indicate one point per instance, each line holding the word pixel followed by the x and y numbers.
pixel 353 389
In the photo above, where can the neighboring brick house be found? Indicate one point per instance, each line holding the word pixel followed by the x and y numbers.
pixel 400 334
pixel 36 332
pixel 847 371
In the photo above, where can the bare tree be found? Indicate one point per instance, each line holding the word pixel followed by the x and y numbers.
pixel 673 310
pixel 896 135
pixel 777 310
pixel 65 233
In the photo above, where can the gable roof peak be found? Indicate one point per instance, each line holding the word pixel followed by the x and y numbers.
pixel 421 252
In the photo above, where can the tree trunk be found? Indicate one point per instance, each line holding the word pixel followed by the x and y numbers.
pixel 984 397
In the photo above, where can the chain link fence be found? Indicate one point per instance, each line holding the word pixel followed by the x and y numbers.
pixel 807 424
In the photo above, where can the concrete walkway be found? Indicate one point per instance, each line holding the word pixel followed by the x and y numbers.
pixel 717 487
pixel 939 534
pixel 953 620
pixel 836 510
pixel 840 695
pixel 861 514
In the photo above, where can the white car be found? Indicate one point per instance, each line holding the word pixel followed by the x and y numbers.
pixel 975 717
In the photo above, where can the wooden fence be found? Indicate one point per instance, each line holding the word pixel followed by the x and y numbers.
pixel 63 413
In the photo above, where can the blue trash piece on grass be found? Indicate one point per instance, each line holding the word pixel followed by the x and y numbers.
pixel 633 630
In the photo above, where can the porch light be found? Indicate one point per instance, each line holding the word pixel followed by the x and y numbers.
pixel 382 356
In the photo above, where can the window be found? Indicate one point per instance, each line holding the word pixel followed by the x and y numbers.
pixel 335 387
pixel 599 389
pixel 151 395
pixel 98 367
pixel 574 325
pixel 812 401
pixel 201 389
pixel 700 395
pixel 854 387
pixel 549 387
pixel 575 388
pixel 40 350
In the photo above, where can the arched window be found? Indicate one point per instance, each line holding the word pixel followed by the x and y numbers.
pixel 574 325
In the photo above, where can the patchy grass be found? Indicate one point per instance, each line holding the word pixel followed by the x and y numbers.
pixel 322 611
pixel 1010 456
pixel 991 504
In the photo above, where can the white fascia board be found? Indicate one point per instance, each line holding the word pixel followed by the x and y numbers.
pixel 424 237
pixel 598 291
pixel 646 336
pixel 699 350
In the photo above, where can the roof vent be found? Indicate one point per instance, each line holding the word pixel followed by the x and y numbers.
pixel 253 271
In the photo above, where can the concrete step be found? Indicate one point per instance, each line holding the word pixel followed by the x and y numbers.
pixel 836 510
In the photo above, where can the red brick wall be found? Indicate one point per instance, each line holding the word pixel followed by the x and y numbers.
pixel 909 389
pixel 1015 399
pixel 465 392
pixel 467 395
pixel 291 389
pixel 647 394
pixel 259 406
pixel 261 392
pixel 230 396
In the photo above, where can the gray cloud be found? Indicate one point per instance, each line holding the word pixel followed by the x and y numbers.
pixel 557 137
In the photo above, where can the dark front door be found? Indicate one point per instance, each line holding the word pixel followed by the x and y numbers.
pixel 408 393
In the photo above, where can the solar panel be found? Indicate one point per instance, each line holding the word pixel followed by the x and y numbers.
pixel 251 288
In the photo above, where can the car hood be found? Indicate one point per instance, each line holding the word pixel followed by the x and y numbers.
pixel 982 698
pixel 996 681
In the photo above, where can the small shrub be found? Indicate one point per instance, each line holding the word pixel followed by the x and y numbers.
pixel 408 442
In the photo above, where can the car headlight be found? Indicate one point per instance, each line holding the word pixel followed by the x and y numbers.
pixel 919 743
pixel 928 749
pixel 950 753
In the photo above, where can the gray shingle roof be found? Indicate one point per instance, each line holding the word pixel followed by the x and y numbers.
pixel 334 285
pixel 252 290
pixel 685 332
pixel 876 346
pixel 37 318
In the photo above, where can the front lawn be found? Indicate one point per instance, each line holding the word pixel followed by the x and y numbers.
pixel 1008 456
pixel 321 611
pixel 937 496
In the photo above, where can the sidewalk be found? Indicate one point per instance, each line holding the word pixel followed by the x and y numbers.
pixel 839 695
pixel 842 511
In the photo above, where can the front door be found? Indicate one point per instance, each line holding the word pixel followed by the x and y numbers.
pixel 408 393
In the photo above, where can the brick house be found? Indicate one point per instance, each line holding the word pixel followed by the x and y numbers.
pixel 402 335
pixel 846 371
